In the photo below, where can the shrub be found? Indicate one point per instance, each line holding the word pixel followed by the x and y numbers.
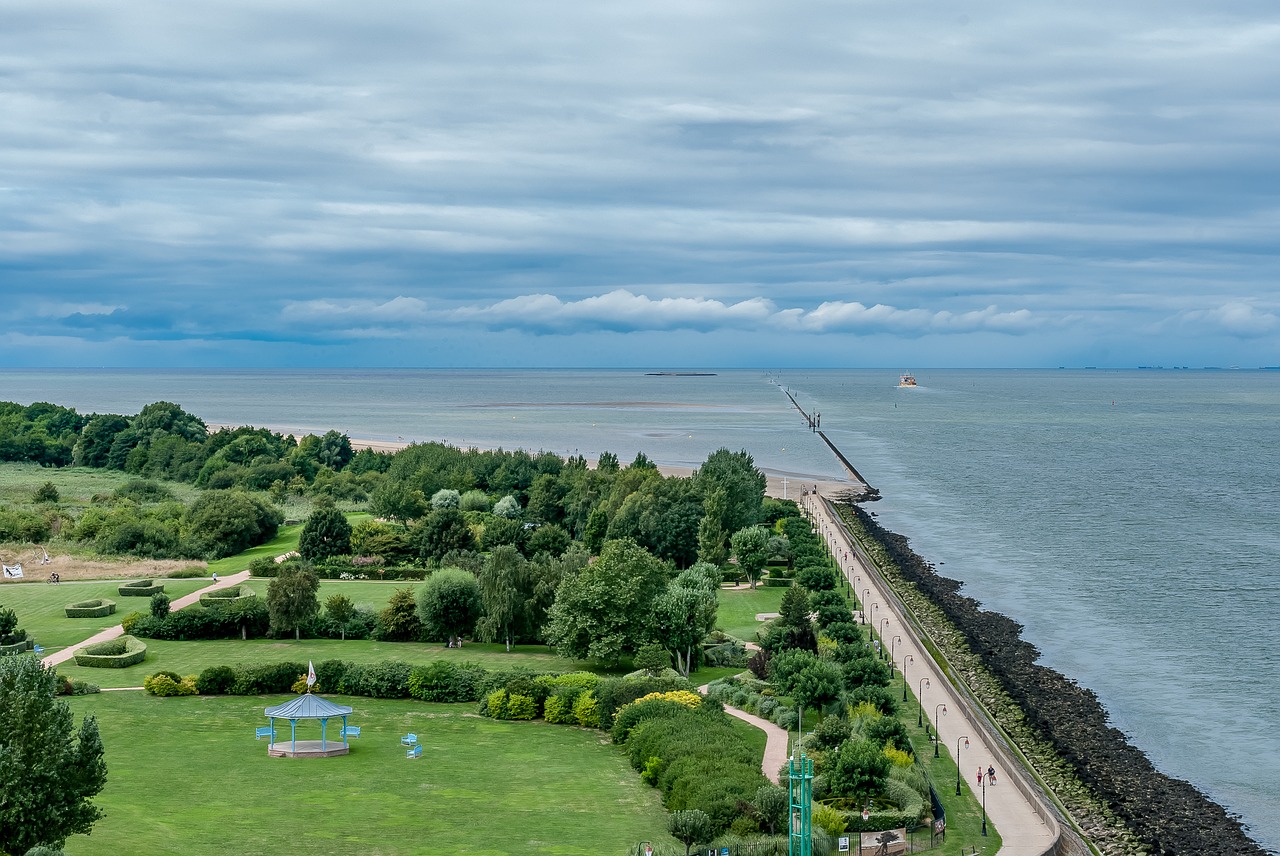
pixel 116 653
pixel 223 596
pixel 558 708
pixel 162 684
pixel 442 681
pixel 521 707
pixel 140 588
pixel 586 710
pixel 159 605
pixel 265 679
pixel 632 715
pixel 216 680
pixel 832 820
pixel 388 679
pixel 496 704
pixel 91 608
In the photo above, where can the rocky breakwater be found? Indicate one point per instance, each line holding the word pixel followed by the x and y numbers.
pixel 1108 781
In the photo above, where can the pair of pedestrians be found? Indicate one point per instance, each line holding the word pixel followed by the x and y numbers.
pixel 991 775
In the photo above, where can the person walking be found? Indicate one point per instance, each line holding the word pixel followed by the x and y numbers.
pixel 979 777
pixel 991 774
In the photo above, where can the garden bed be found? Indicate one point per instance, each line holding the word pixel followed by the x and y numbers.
pixel 96 608
pixel 117 653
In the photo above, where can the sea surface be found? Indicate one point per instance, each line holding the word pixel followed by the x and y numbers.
pixel 1129 519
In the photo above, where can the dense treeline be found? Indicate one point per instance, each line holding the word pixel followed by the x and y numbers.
pixel 1167 815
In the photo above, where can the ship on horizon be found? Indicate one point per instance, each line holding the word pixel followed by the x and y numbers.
pixel 906 381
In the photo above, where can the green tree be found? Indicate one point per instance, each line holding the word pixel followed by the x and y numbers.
pixel 449 604
pixel 225 522
pixel 292 599
pixel 49 769
pixel 341 609
pixel 712 534
pixel 441 531
pixel 326 533
pixel 735 473
pixel 817 684
pixel 95 441
pixel 499 531
pixel 594 534
pixel 751 547
pixel 506 592
pixel 653 658
pixel 683 616
pixel 690 827
pixel 859 770
pixel 772 806
pixel 548 538
pixel 446 498
pixel 606 609
pixel 397 501
pixel 508 506
pixel 398 621
pixel 46 493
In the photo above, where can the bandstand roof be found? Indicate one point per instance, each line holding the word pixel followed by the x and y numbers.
pixel 307 706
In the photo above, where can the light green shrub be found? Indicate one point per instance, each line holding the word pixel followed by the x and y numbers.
pixel 586 710
pixel 521 707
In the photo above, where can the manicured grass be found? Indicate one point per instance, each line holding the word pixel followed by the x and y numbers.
pixel 40 607
pixel 286 540
pixel 185 775
pixel 739 607
pixel 753 736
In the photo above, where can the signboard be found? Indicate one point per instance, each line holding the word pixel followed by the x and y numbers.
pixel 843 842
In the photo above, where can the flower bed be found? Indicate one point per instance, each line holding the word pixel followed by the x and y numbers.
pixel 97 608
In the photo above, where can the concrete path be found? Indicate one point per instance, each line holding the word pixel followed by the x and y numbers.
pixel 112 632
pixel 776 740
pixel 1026 826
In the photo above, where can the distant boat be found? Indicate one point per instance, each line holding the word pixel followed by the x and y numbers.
pixel 907 380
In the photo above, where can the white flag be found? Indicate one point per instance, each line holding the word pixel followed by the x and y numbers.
pixel 311 675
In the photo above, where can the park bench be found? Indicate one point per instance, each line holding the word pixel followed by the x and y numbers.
pixel 264 731
pixel 409 739
pixel 414 754
pixel 351 731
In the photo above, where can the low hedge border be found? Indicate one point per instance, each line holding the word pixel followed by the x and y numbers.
pixel 91 608
pixel 116 653
pixel 141 588
pixel 223 596
pixel 19 647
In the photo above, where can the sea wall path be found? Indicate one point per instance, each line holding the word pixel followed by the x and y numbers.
pixel 1028 824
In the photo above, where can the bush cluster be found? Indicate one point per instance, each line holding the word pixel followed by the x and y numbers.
pixel 118 653
pixel 91 608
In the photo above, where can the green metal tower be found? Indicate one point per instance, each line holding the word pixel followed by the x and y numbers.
pixel 800 779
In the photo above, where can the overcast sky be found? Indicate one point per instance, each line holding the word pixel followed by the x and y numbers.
pixel 911 183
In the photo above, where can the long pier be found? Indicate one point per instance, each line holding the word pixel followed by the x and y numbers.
pixel 815 425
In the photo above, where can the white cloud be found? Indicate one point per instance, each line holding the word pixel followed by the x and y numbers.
pixel 333 312
pixel 1234 319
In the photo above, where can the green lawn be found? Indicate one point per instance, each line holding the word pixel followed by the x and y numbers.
pixel 739 607
pixel 76 485
pixel 40 607
pixel 185 775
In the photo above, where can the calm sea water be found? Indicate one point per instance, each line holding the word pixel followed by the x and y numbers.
pixel 1130 519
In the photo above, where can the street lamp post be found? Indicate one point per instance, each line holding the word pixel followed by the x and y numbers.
pixel 937 735
pixel 874 607
pixel 892 648
pixel 924 682
pixel 906 659
pixel 966 744
pixel 885 626
pixel 862 610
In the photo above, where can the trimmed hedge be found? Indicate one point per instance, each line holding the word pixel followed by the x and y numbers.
pixel 230 594
pixel 19 647
pixel 113 654
pixel 141 588
pixel 91 608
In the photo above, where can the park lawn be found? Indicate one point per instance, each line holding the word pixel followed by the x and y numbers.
pixel 190 658
pixel 185 775
pixel 286 541
pixel 40 607
pixel 739 607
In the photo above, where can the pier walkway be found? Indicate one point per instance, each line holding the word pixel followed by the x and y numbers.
pixel 1028 826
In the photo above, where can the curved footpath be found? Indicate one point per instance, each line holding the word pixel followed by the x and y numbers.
pixel 118 630
pixel 1028 825
pixel 776 740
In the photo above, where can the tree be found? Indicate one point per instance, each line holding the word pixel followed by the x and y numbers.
pixel 548 538
pixel 340 608
pixel 46 493
pixel 683 616
pixel 508 506
pixel 399 622
pixel 326 533
pixel 446 498
pixel 397 501
pixel 858 770
pixel 735 473
pixel 817 684
pixel 95 441
pixel 652 658
pixel 49 769
pixel 751 547
pixel 772 806
pixel 606 609
pixel 712 533
pixel 440 531
pixel 449 604
pixel 292 599
pixel 225 522
pixel 506 591
pixel 689 828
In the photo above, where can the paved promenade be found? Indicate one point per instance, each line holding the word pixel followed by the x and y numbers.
pixel 1023 829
